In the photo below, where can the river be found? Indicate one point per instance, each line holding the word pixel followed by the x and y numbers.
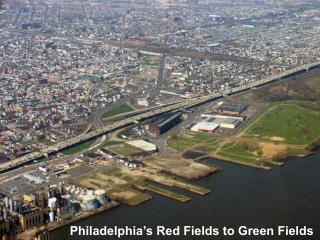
pixel 287 195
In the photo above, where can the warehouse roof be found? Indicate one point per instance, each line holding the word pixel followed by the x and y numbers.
pixel 205 126
pixel 143 145
pixel 165 118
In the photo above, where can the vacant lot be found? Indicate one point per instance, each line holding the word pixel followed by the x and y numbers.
pixel 125 150
pixel 184 141
pixel 287 123
pixel 124 108
pixel 179 166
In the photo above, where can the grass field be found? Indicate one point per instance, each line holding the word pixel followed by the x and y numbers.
pixel 111 143
pixel 287 123
pixel 124 151
pixel 238 152
pixel 124 108
pixel 184 141
pixel 209 146
pixel 78 148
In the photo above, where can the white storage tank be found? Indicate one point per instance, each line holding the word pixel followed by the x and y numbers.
pixel 90 192
pixel 52 203
pixel 51 216
pixel 101 196
pixel 89 202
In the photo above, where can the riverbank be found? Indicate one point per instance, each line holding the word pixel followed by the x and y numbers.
pixel 241 196
pixel 46 230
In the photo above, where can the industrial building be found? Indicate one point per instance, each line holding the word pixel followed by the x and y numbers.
pixel 231 108
pixel 4 227
pixel 32 178
pixel 31 218
pixel 205 127
pixel 224 121
pixel 213 122
pixel 164 123
pixel 143 145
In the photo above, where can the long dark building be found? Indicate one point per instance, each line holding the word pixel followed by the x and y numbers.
pixel 164 123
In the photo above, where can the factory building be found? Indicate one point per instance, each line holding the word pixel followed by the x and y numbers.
pixel 213 122
pixel 32 178
pixel 231 108
pixel 164 123
pixel 205 127
pixel 31 218
pixel 223 121
pixel 4 227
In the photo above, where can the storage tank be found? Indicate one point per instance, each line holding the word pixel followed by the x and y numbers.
pixel 6 202
pixel 67 198
pixel 90 192
pixel 52 203
pixel 101 196
pixel 15 208
pixel 51 216
pixel 89 202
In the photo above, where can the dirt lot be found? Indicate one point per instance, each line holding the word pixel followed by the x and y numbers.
pixel 181 167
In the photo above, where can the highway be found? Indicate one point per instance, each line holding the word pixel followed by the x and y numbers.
pixel 154 93
pixel 6 166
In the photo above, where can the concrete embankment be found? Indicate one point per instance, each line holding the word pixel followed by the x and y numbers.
pixel 163 192
pixel 241 162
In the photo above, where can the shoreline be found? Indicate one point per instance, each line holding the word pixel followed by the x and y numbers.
pixel 48 229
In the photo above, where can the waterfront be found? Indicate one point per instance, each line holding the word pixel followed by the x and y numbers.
pixel 240 195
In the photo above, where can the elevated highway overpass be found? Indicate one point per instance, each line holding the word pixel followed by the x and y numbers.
pixel 151 112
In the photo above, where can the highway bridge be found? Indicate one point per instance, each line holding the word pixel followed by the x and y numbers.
pixel 145 114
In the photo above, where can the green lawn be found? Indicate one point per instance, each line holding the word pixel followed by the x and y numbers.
pixel 237 152
pixel 186 140
pixel 124 108
pixel 288 123
pixel 78 148
pixel 125 150
pixel 209 146
pixel 111 143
